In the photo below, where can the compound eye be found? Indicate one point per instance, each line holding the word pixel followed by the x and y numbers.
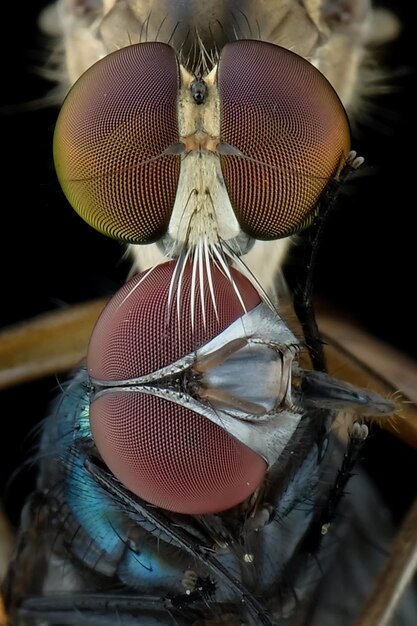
pixel 111 138
pixel 290 129
pixel 162 450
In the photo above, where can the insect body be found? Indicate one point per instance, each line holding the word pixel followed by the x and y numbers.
pixel 197 438
pixel 193 436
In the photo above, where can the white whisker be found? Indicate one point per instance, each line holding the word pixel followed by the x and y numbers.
pixel 243 268
pixel 209 276
pixel 173 284
pixel 235 32
pixel 179 284
pixel 227 272
pixel 216 255
pixel 151 269
pixel 201 278
pixel 192 296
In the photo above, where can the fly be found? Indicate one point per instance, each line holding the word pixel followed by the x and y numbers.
pixel 190 473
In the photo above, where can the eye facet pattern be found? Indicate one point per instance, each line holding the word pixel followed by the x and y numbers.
pixel 111 138
pixel 162 451
pixel 291 129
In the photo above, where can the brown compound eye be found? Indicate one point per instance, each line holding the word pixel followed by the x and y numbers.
pixel 164 451
pixel 290 133
pixel 111 138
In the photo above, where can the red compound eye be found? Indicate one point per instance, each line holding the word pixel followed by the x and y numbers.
pixel 291 130
pixel 111 138
pixel 162 451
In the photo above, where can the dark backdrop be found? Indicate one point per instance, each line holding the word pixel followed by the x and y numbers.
pixel 50 258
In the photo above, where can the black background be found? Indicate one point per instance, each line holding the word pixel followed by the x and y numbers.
pixel 50 257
